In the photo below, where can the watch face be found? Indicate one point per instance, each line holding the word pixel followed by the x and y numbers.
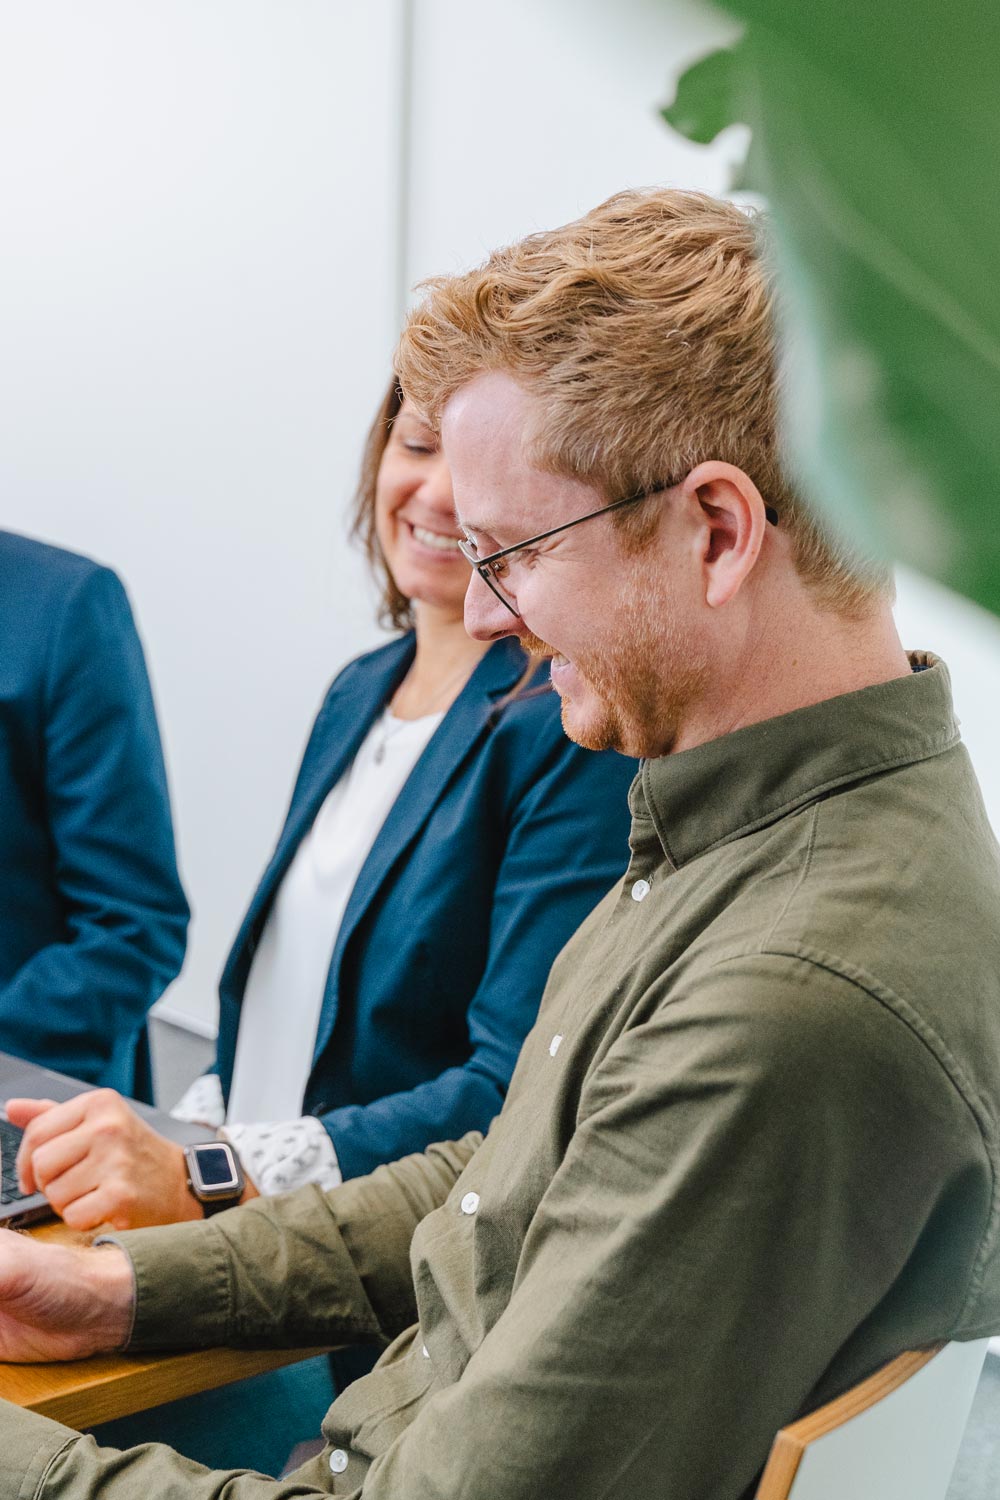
pixel 212 1169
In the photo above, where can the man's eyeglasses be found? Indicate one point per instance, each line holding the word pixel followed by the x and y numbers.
pixel 492 569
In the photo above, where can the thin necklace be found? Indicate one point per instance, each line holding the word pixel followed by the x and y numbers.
pixel 389 725
pixel 386 729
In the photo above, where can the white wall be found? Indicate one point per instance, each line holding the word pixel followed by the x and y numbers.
pixel 212 211
pixel 932 618
pixel 199 255
pixel 525 116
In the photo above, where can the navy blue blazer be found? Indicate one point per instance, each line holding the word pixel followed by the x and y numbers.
pixel 92 914
pixel 502 840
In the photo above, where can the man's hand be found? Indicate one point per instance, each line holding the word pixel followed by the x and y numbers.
pixel 97 1162
pixel 59 1303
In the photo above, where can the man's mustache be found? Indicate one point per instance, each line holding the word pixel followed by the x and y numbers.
pixel 535 646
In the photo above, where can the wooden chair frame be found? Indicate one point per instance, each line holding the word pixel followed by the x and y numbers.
pixel 791 1442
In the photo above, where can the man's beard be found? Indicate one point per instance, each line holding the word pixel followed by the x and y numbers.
pixel 638 712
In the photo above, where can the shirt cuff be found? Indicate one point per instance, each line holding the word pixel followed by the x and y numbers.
pixel 203 1103
pixel 110 1239
pixel 280 1157
pixel 168 1263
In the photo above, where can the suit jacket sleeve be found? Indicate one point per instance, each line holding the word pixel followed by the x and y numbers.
pixel 112 843
pixel 565 844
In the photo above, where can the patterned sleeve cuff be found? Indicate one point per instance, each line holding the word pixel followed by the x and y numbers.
pixel 280 1157
pixel 203 1103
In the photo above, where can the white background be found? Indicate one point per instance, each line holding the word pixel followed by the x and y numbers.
pixel 212 213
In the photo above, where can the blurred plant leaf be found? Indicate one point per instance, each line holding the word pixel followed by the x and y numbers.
pixel 708 96
pixel 877 143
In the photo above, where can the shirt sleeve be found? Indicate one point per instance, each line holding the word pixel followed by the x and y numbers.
pixel 304 1269
pixel 278 1158
pixel 105 793
pixel 42 1460
pixel 202 1103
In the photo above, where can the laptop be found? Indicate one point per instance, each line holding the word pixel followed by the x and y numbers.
pixel 26 1080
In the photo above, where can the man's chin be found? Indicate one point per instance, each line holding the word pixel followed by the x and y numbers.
pixel 597 730
pixel 601 726
pixel 591 720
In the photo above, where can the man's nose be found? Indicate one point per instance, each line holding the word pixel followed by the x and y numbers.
pixel 486 619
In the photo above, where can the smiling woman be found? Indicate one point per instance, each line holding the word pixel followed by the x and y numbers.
pixel 413 517
pixel 402 456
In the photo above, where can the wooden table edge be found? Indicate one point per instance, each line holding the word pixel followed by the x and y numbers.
pixel 82 1393
pixel 86 1392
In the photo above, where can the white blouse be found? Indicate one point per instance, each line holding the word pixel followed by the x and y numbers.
pixel 279 1147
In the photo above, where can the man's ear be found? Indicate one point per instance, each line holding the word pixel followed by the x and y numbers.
pixel 733 514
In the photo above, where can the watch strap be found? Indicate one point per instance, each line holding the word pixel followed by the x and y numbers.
pixel 210 1206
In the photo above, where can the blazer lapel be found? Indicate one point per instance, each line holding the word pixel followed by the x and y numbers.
pixel 353 704
pixel 462 726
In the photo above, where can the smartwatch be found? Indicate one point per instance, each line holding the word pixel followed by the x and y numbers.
pixel 215 1176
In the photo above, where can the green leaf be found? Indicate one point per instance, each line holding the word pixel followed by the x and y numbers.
pixel 708 96
pixel 877 143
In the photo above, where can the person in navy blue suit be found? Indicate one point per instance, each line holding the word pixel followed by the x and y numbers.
pixel 92 914
pixel 350 1035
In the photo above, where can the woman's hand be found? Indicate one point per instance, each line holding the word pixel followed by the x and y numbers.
pixel 98 1162
pixel 59 1303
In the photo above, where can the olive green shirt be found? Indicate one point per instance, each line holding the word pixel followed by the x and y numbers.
pixel 749 1153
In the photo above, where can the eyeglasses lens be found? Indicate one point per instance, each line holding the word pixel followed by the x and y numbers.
pixel 487 572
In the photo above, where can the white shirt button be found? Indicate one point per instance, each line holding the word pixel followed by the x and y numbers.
pixel 640 890
pixel 424 1351
pixel 338 1461
pixel 555 1044
pixel 470 1203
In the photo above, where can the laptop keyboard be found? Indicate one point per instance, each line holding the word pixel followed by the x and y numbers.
pixel 10 1139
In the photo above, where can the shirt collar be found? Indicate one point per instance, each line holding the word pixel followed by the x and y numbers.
pixel 719 791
